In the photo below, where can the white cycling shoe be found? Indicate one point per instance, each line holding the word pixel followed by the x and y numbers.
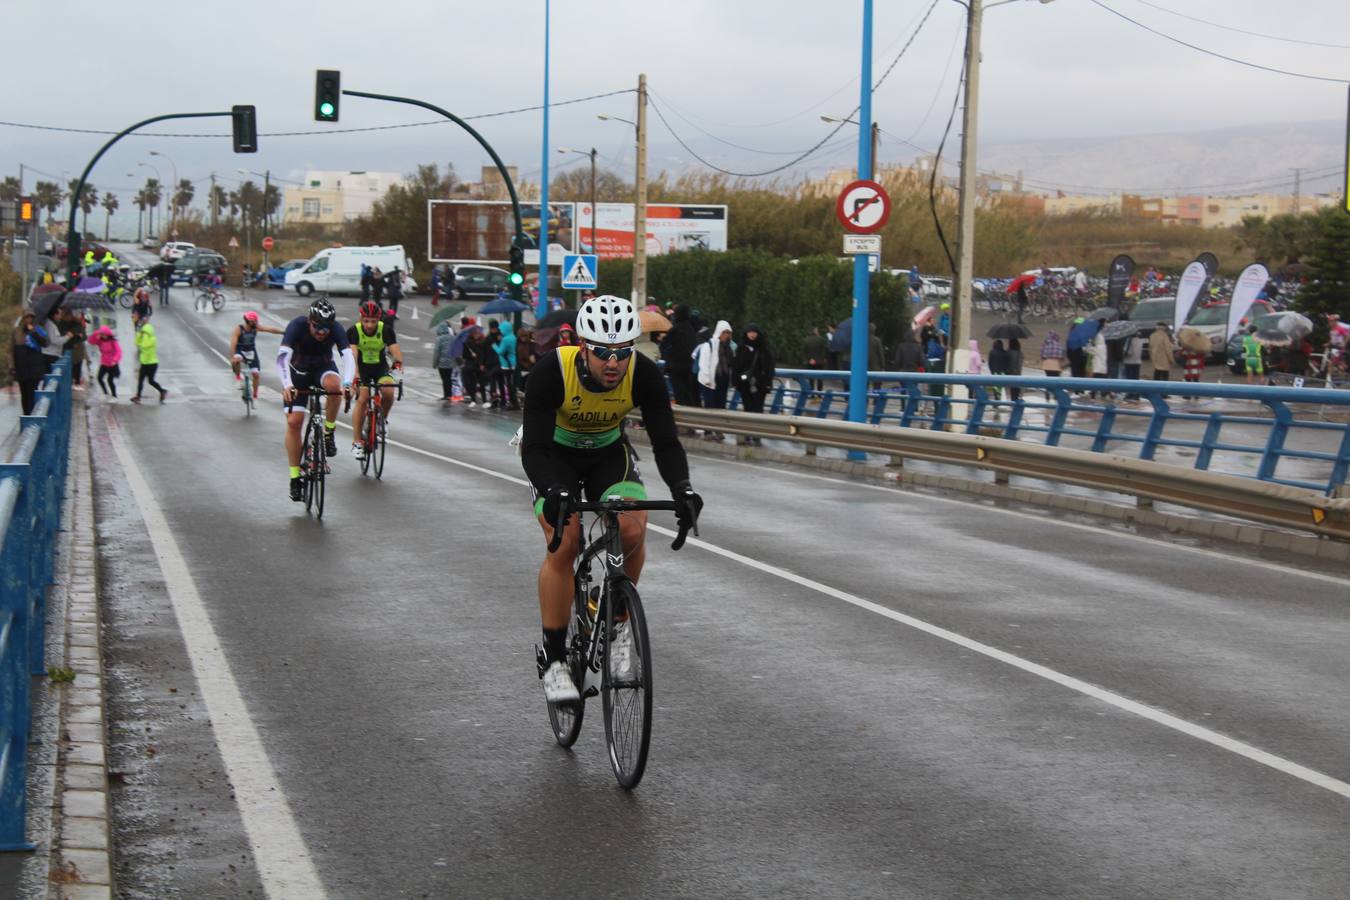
pixel 558 686
pixel 358 451
pixel 621 652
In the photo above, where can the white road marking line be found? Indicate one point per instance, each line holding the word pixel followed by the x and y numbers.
pixel 1048 519
pixel 1157 716
pixel 278 849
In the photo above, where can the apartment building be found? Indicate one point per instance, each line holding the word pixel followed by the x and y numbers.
pixel 331 198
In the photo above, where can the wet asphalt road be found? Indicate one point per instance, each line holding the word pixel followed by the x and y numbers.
pixel 803 745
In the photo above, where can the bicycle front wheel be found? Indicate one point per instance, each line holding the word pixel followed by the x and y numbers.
pixel 218 301
pixel 367 445
pixel 307 464
pixel 378 446
pixel 627 696
pixel 126 300
pixel 320 470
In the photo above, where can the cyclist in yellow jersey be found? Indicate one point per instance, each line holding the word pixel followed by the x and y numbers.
pixel 371 338
pixel 572 442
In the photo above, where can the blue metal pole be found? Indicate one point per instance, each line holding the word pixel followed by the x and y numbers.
pixel 541 308
pixel 857 378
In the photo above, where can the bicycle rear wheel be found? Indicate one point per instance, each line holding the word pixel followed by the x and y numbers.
pixel 247 392
pixel 126 300
pixel 628 701
pixel 566 717
pixel 379 446
pixel 218 301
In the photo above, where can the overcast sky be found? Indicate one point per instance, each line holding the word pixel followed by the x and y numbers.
pixel 755 73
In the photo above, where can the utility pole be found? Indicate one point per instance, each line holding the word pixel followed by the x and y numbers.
pixel 1298 184
pixel 640 210
pixel 876 131
pixel 859 335
pixel 965 241
pixel 214 212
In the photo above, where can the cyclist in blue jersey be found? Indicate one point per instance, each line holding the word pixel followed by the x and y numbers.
pixel 305 360
pixel 244 347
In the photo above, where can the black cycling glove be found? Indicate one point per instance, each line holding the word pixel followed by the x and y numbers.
pixel 690 504
pixel 557 499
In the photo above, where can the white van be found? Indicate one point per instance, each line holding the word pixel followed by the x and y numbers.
pixel 337 270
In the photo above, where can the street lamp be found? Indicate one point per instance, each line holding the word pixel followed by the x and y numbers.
pixel 160 182
pixel 876 131
pixel 591 154
pixel 640 206
pixel 965 216
pixel 173 206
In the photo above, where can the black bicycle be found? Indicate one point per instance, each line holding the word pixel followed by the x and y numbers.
pixel 313 459
pixel 372 434
pixel 626 698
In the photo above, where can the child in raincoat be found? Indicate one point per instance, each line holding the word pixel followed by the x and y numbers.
pixel 110 357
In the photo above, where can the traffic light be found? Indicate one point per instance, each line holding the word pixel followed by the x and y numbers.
pixel 25 209
pixel 245 120
pixel 516 279
pixel 327 92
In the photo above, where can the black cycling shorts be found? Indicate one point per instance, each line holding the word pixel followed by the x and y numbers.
pixel 599 473
pixel 311 379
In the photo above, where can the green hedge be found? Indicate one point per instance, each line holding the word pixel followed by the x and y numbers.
pixel 785 299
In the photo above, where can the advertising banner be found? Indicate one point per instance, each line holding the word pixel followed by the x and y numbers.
pixel 1209 261
pixel 1192 280
pixel 1122 270
pixel 1249 284
pixel 480 231
pixel 670 228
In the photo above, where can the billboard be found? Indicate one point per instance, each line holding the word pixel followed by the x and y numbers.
pixel 670 228
pixel 481 231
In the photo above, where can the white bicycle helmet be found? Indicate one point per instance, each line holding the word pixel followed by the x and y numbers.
pixel 608 320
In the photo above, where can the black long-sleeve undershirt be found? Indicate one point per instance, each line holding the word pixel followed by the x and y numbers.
pixel 544 396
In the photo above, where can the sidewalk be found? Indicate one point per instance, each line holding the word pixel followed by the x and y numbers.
pixel 68 812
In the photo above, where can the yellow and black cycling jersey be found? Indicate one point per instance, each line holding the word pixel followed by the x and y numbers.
pixel 566 413
pixel 371 348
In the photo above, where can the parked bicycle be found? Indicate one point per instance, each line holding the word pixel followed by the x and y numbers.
pixel 373 428
pixel 313 460
pixel 626 697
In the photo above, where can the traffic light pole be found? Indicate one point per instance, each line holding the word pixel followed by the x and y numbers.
pixel 501 167
pixel 73 237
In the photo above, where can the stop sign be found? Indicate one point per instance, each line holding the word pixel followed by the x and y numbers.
pixel 267 243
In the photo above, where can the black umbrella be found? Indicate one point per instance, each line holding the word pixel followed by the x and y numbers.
pixel 1105 313
pixel 558 318
pixel 1117 330
pixel 86 300
pixel 42 302
pixel 1008 331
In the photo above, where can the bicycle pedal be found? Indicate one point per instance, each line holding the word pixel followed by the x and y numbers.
pixel 540 661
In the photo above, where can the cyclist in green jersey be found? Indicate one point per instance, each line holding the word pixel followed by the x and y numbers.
pixel 374 341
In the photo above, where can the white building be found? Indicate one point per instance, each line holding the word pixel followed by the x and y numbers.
pixel 330 198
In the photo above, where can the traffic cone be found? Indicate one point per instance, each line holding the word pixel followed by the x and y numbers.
pixel 414 315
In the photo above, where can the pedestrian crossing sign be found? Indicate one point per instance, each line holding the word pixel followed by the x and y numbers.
pixel 579 271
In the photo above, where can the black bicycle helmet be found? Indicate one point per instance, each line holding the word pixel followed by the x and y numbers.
pixel 322 314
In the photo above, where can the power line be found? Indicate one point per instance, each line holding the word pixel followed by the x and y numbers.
pixel 491 115
pixel 822 141
pixel 1232 59
pixel 1259 34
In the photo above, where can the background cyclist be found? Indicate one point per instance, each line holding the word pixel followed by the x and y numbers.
pixel 244 347
pixel 370 338
pixel 572 440
pixel 305 360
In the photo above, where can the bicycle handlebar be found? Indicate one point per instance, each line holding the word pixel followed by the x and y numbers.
pixel 617 505
pixel 372 384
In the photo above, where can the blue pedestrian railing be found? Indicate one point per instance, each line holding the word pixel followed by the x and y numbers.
pixel 32 485
pixel 1259 432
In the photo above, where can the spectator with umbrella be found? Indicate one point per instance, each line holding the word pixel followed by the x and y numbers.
pixel 1162 352
pixel 1080 336
pixel 1052 355
pixel 1015 365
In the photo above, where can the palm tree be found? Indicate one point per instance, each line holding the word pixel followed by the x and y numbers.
pixel 139 200
pixel 182 198
pixel 110 204
pixel 47 194
pixel 154 193
pixel 88 200
pixel 10 189
pixel 219 200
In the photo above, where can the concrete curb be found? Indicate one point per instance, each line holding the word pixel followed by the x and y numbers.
pixel 1100 505
pixel 81 855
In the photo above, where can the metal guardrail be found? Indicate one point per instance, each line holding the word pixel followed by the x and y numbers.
pixel 1050 410
pixel 32 485
pixel 1293 507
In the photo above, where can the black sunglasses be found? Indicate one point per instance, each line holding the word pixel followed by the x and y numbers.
pixel 604 353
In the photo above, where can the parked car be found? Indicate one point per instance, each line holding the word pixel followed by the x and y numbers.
pixel 197 263
pixel 1212 321
pixel 276 276
pixel 1151 311
pixel 478 282
pixel 149 242
pixel 935 288
pixel 175 250
pixel 338 269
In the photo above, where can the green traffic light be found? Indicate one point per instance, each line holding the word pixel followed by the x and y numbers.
pixel 517 278
pixel 326 108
